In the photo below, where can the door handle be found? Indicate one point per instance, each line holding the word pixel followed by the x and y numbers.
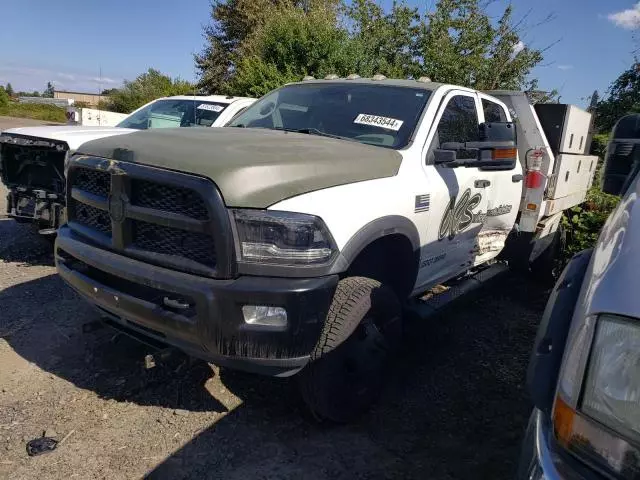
pixel 516 178
pixel 481 183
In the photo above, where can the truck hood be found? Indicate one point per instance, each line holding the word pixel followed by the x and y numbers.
pixel 253 167
pixel 73 135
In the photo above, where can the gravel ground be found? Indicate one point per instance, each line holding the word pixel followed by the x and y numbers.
pixel 455 408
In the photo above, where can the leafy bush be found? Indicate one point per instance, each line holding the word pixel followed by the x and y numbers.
pixel 599 144
pixel 584 222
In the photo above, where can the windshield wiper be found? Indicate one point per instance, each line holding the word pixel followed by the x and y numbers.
pixel 314 131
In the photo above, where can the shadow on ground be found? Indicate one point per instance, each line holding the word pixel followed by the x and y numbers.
pixel 21 243
pixel 42 321
pixel 455 407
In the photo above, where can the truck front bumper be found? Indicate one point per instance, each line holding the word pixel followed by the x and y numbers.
pixel 44 209
pixel 208 322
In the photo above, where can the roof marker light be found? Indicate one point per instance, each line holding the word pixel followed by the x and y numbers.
pixel 331 76
pixel 424 80
pixel 353 76
pixel 307 78
pixel 378 77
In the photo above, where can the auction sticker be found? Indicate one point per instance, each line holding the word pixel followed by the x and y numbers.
pixel 377 121
pixel 212 108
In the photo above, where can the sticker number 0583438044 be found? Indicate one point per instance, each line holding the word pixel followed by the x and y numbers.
pixel 378 121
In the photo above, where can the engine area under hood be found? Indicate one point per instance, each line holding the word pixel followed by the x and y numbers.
pixel 32 163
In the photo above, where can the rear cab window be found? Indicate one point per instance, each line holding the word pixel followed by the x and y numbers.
pixel 493 112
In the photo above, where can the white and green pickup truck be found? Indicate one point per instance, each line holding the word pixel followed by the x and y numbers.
pixel 289 242
pixel 32 158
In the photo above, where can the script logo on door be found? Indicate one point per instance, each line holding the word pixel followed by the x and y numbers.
pixel 458 215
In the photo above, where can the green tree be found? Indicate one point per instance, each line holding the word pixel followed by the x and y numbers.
pixel 48 92
pixel 146 87
pixel 623 98
pixel 4 98
pixel 295 42
pixel 459 44
pixel 251 46
pixel 384 42
pixel 9 90
pixel 593 101
pixel 231 22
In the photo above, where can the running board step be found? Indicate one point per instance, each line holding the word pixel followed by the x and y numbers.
pixel 443 295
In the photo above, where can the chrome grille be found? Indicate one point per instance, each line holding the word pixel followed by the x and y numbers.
pixel 168 198
pixel 624 149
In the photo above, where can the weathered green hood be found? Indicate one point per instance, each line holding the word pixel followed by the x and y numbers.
pixel 252 167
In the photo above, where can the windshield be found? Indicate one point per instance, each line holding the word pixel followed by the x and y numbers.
pixel 174 113
pixel 374 114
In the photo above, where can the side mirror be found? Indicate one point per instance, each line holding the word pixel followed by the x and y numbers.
pixel 444 156
pixel 622 159
pixel 498 132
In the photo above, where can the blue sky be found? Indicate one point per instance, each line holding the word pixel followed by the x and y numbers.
pixel 69 41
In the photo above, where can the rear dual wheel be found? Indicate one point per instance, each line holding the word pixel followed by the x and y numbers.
pixel 348 366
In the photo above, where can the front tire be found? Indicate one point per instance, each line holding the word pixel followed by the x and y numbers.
pixel 348 365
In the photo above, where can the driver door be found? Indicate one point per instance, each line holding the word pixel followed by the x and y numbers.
pixel 457 194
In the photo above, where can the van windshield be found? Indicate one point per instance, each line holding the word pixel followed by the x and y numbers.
pixel 171 113
pixel 379 115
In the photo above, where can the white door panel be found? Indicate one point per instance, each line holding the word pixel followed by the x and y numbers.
pixel 452 230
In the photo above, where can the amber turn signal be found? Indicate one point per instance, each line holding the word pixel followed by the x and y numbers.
pixel 504 153
pixel 563 416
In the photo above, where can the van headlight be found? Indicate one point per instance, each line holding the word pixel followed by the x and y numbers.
pixel 596 412
pixel 283 238
pixel 612 387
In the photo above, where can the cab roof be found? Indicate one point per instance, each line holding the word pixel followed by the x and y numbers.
pixel 393 82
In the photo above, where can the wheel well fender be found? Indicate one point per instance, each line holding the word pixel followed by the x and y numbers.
pixel 395 232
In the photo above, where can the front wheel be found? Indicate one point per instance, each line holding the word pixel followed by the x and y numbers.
pixel 348 365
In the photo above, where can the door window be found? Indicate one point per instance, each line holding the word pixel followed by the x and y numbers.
pixel 458 124
pixel 493 112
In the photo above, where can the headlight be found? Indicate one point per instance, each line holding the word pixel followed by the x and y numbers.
pixel 612 388
pixel 596 413
pixel 283 238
